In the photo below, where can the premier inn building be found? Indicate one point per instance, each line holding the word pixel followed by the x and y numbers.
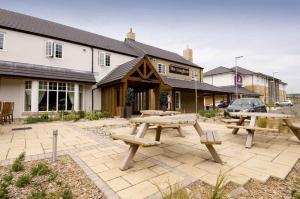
pixel 49 67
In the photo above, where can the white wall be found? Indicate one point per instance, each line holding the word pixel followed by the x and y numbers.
pixel 115 60
pixel 12 90
pixel 226 79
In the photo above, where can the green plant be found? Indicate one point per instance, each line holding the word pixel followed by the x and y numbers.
pixel 217 191
pixel 7 178
pixel 129 97
pixel 3 193
pixel 262 122
pixel 52 176
pixel 73 116
pixel 96 115
pixel 18 163
pixel 296 194
pixel 36 119
pixel 163 98
pixel 63 193
pixel 40 169
pixel 176 191
pixel 23 181
pixel 209 113
pixel 38 193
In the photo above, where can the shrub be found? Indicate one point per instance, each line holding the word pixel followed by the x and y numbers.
pixel 96 115
pixel 64 193
pixel 40 169
pixel 23 181
pixel 38 193
pixel 217 191
pixel 52 176
pixel 176 191
pixel 73 116
pixel 17 166
pixel 36 119
pixel 209 113
pixel 7 178
pixel 3 193
pixel 262 122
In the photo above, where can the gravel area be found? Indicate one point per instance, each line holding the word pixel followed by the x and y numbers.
pixel 273 188
pixel 68 173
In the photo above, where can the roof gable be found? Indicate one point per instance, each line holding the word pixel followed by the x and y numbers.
pixel 218 70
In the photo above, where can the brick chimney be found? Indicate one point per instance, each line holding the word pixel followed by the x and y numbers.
pixel 188 54
pixel 131 35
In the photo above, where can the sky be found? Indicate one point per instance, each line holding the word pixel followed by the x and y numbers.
pixel 265 32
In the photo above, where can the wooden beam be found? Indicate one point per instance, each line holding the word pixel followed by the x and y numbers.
pixel 145 69
pixel 140 73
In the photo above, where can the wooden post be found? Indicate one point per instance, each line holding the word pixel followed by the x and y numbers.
pixel 158 132
pixel 240 123
pixel 54 146
pixel 214 102
pixel 157 93
pixel 250 132
pixel 214 153
pixel 198 128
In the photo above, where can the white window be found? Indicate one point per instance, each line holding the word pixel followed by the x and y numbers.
pixel 80 97
pixel 56 96
pixel 49 49
pixel 194 73
pixel 1 40
pixel 27 98
pixel 177 100
pixel 161 68
pixel 103 59
pixel 58 50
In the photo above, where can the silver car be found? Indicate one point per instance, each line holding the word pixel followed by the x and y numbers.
pixel 284 103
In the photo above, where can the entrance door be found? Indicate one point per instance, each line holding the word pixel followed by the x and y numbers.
pixel 141 101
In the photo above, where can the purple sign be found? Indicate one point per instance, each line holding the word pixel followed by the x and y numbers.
pixel 238 80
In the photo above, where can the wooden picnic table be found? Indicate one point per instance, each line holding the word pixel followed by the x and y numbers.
pixel 208 138
pixel 252 128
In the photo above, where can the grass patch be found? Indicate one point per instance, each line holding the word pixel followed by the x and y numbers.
pixel 262 122
pixel 40 169
pixel 296 192
pixel 209 113
pixel 23 181
pixel 96 115
pixel 176 191
pixel 18 163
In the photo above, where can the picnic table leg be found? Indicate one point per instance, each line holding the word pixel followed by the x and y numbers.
pixel 133 131
pixel 133 148
pixel 250 132
pixel 240 123
pixel 214 153
pixel 295 130
pixel 158 132
pixel 179 129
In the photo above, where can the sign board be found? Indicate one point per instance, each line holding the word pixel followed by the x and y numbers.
pixel 238 80
pixel 179 70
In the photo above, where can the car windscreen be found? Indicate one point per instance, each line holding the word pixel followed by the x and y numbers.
pixel 242 103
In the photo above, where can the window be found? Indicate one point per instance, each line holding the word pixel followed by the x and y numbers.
pixel 49 49
pixel 27 103
pixel 107 59
pixel 177 100
pixel 103 59
pixel 80 97
pixel 58 50
pixel 1 41
pixel 54 96
pixel 194 73
pixel 161 68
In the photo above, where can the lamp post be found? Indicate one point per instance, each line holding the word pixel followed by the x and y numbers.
pixel 196 101
pixel 235 59
pixel 274 87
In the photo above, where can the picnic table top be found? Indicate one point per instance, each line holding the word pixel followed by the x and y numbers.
pixel 159 112
pixel 249 114
pixel 184 119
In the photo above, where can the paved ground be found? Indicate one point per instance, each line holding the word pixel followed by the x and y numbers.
pixel 176 160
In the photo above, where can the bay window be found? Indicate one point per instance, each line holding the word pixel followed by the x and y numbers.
pixel 56 96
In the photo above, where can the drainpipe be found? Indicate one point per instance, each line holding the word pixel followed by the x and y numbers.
pixel 92 59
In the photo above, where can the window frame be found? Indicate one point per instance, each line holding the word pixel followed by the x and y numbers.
pixel 51 49
pixel 194 73
pixel 179 100
pixel 3 43
pixel 104 58
pixel 54 49
pixel 164 71
pixel 27 89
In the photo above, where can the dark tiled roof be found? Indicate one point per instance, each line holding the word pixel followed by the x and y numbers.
pixel 21 22
pixel 218 70
pixel 44 72
pixel 159 53
pixel 243 71
pixel 241 90
pixel 120 71
pixel 188 84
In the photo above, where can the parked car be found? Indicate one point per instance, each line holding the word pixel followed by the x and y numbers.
pixel 246 105
pixel 222 104
pixel 284 103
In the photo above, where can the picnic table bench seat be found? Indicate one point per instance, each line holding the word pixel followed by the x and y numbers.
pixel 232 120
pixel 131 139
pixel 251 128
pixel 210 137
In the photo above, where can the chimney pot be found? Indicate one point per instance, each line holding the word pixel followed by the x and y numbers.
pixel 131 35
pixel 188 53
